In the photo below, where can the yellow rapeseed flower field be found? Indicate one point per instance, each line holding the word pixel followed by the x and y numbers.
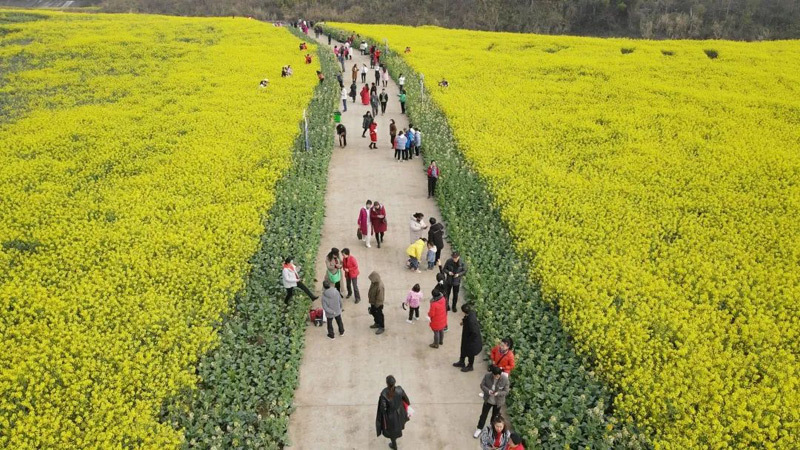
pixel 137 160
pixel 655 187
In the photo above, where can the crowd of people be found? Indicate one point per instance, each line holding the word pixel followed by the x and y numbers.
pixel 424 251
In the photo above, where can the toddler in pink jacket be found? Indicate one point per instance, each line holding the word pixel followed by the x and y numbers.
pixel 412 300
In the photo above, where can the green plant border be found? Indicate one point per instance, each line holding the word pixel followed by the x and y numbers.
pixel 247 384
pixel 555 401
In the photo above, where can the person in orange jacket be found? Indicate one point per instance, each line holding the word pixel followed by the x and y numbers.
pixel 502 355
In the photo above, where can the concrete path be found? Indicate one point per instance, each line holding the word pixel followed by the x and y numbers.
pixel 341 380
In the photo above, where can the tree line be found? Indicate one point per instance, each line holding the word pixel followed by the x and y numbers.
pixel 658 19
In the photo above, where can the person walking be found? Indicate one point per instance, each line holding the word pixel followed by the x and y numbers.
pixel 471 340
pixel 494 387
pixel 341 131
pixel 364 223
pixel 401 80
pixel 436 235
pixel 400 146
pixel 366 122
pixel 353 91
pixel 454 270
pixel 350 266
pixel 374 103
pixel 375 296
pixel 385 77
pixel 344 100
pixel 392 416
pixel 354 72
pixel 332 305
pixel 373 135
pixel 437 316
pixel 383 98
pixel 502 356
pixel 410 142
pixel 402 97
pixel 364 73
pixel 415 252
pixel 392 131
pixel 413 299
pixel 373 90
pixel 378 74
pixel 377 218
pixel 365 95
pixel 333 264
pixel 417 227
pixel 433 177
pixel 291 280
pixel 340 79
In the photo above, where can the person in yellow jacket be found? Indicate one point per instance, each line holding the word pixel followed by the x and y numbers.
pixel 415 252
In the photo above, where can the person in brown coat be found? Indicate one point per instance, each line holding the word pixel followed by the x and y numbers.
pixel 375 295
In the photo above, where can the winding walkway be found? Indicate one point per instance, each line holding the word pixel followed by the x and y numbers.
pixel 340 380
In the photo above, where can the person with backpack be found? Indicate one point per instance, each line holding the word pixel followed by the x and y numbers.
pixel 437 316
pixel 333 264
pixel 495 436
pixel 350 266
pixel 471 341
pixel 502 356
pixel 332 305
pixel 383 98
pixel 454 270
pixel 392 414
pixel 341 131
pixel 291 280
pixel 436 235
pixel 375 296
pixel 433 177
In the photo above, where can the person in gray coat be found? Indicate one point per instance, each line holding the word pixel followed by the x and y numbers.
pixel 332 305
pixel 495 389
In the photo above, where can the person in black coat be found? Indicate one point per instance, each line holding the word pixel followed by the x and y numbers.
pixel 436 235
pixel 471 340
pixel 392 417
pixel 454 270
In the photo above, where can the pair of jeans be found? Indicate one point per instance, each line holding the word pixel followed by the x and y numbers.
pixel 343 140
pixel 338 323
pixel 414 262
pixel 290 291
pixel 377 314
pixel 413 312
pixel 344 104
pixel 438 337
pixel 432 185
pixel 352 288
pixel 430 264
pixel 363 77
pixel 383 107
pixel 448 288
pixel 484 411
pixel 403 107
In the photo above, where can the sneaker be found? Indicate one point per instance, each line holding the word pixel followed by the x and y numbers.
pixel 434 346
pixel 369 246
pixel 330 336
pixel 349 295
pixel 446 328
pixel 409 321
pixel 380 331
pixel 477 433
pixel 467 369
pixel 459 364
pixel 374 325
pixel 417 271
pixel 416 318
pixel 357 301
pixel 480 394
pixel 341 334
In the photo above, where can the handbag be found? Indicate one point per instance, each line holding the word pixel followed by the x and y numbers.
pixel 409 410
pixel 359 235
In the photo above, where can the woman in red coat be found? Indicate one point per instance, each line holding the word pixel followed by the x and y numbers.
pixel 377 216
pixel 437 314
pixel 365 95
pixel 373 135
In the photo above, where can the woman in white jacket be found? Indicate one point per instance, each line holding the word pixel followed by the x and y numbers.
pixel 417 227
pixel 291 280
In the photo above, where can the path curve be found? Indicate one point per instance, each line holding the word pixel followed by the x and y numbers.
pixel 340 380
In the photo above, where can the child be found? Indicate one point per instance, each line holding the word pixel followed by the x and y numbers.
pixel 431 255
pixel 412 300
